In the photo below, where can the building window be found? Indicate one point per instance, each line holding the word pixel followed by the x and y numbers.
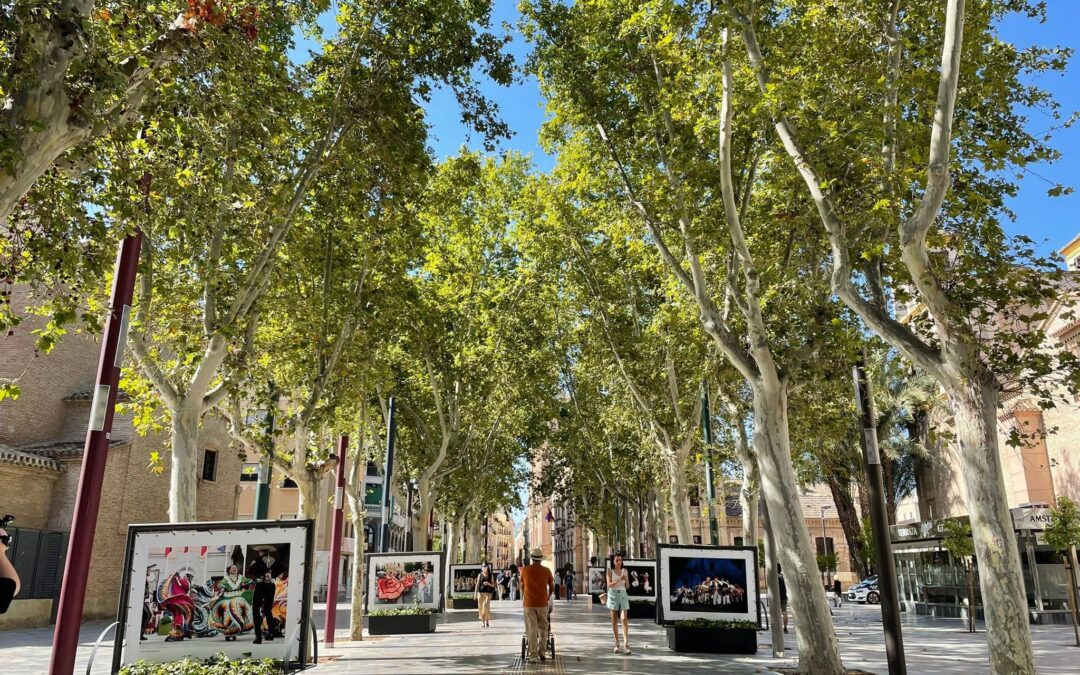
pixel 673 539
pixel 250 472
pixel 288 483
pixel 697 538
pixel 738 541
pixel 695 496
pixel 209 465
pixel 824 545
pixel 287 516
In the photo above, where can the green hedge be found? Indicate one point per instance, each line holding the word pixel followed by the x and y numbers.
pixel 712 623
pixel 218 664
pixel 403 611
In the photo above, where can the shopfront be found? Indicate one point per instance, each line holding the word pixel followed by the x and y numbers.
pixel 933 582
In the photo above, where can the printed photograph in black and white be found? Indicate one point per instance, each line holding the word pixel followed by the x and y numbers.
pixel 707 584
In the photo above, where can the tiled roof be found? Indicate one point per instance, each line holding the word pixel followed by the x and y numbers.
pixel 56 449
pixel 13 456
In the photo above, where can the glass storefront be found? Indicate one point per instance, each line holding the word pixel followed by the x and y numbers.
pixel 933 582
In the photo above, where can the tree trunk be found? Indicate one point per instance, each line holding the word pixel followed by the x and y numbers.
pixel 750 491
pixel 772 581
pixel 849 521
pixel 356 623
pixel 975 404
pixel 183 487
pixel 679 502
pixel 472 541
pixel 425 494
pixel 309 485
pixel 603 548
pixel 819 650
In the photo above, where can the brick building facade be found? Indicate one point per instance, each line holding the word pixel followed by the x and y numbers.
pixel 41 443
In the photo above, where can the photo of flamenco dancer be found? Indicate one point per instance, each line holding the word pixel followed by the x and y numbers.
pixel 404 579
pixel 218 592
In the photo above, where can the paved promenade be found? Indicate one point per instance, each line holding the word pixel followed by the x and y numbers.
pixel 583 636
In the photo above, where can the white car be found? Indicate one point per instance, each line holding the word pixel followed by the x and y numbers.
pixel 868 594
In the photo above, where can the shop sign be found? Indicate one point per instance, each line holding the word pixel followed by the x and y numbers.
pixel 1030 518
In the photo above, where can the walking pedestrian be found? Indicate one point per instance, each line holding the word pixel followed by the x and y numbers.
pixel 538 585
pixel 513 586
pixel 838 594
pixel 783 594
pixel 558 584
pixel 485 586
pixel 569 581
pixel 618 601
pixel 9 577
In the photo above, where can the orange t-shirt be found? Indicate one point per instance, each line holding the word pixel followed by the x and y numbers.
pixel 535 579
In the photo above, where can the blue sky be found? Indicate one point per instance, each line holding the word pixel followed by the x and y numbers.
pixel 1050 221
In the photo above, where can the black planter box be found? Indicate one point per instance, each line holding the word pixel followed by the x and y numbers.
pixel 406 623
pixel 463 603
pixel 642 610
pixel 712 640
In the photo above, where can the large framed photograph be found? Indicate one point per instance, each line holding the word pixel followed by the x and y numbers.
pixel 708 582
pixel 411 579
pixel 597 580
pixel 641 574
pixel 197 589
pixel 463 578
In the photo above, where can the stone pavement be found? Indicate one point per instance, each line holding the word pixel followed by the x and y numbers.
pixel 583 643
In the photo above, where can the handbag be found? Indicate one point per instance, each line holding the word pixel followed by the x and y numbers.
pixel 603 598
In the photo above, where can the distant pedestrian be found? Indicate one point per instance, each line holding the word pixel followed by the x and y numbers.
pixel 838 595
pixel 783 594
pixel 538 585
pixel 558 584
pixel 485 586
pixel 568 580
pixel 513 586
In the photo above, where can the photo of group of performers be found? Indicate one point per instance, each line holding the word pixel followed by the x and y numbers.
pixel 226 592
pixel 404 582
pixel 703 584
pixel 464 579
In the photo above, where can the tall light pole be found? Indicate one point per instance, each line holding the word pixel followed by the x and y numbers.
pixel 824 539
pixel 95 455
pixel 887 583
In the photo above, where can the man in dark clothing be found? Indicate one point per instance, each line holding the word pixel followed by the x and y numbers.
pixel 263 608
pixel 783 595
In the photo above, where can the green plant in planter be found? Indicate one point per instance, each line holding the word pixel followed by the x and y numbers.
pixel 219 664
pixel 403 611
pixel 715 624
pixel 642 601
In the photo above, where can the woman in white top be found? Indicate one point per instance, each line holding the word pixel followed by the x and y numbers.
pixel 618 602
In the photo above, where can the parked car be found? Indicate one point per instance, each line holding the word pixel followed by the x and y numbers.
pixel 867 593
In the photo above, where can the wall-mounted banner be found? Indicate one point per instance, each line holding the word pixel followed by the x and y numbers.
pixel 463 580
pixel 708 582
pixel 197 589
pixel 642 578
pixel 404 580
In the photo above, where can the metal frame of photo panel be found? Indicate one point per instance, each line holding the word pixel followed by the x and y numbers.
pixel 438 559
pixel 627 562
pixel 663 553
pixel 588 580
pixel 457 566
pixel 135 531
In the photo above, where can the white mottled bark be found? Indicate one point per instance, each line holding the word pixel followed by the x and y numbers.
pixel 1000 577
pixel 183 488
pixel 819 650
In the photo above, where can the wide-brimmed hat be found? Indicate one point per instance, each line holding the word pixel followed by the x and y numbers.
pixel 537 554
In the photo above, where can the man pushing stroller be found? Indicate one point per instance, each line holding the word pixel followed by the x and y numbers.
pixel 538 585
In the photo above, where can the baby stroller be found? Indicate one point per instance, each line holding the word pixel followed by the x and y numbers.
pixel 547 643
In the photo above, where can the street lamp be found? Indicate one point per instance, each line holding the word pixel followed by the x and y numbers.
pixel 824 539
